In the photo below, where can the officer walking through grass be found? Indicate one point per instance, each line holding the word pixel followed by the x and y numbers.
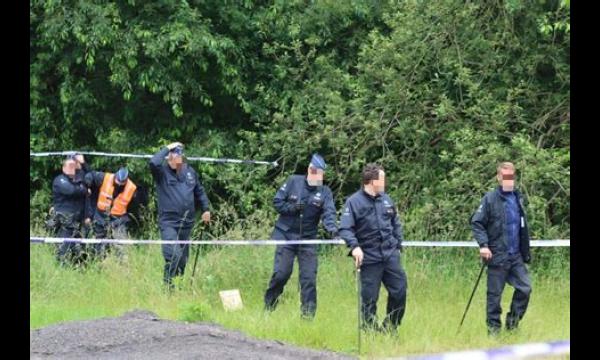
pixel 371 228
pixel 500 228
pixel 301 203
pixel 180 193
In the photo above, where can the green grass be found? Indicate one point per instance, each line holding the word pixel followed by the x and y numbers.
pixel 439 284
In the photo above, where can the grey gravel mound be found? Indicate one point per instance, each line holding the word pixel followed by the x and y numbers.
pixel 140 334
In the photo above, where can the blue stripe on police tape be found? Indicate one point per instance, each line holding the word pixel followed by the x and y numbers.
pixel 35 239
pixel 521 351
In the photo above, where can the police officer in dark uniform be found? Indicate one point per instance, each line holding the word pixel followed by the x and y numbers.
pixel 179 194
pixel 69 195
pixel 301 202
pixel 370 225
pixel 500 228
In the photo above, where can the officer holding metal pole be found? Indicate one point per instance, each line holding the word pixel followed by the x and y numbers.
pixel 371 228
pixel 179 193
pixel 500 228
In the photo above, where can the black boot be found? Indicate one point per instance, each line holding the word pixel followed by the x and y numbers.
pixel 270 305
pixel 370 326
pixel 512 321
pixel 306 315
pixel 308 311
pixel 493 331
pixel 388 327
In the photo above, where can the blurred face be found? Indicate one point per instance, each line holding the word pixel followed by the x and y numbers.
pixel 506 178
pixel 314 176
pixel 175 160
pixel 78 159
pixel 69 168
pixel 379 184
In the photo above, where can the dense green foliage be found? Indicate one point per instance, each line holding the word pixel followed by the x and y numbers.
pixel 437 91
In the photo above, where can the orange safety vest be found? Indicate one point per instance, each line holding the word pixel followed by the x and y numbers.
pixel 105 198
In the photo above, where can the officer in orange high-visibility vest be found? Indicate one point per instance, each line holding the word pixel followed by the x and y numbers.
pixel 114 193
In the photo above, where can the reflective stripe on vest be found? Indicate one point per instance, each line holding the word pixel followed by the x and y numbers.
pixel 124 198
pixel 106 192
pixel 118 206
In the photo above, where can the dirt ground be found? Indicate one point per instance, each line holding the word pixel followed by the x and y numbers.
pixel 141 334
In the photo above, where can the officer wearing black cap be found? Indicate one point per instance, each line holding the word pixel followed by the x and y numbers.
pixel 370 226
pixel 301 202
pixel 69 195
pixel 180 193
pixel 111 196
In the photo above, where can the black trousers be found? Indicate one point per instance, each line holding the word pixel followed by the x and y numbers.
pixel 282 270
pixel 176 255
pixel 390 273
pixel 68 252
pixel 118 230
pixel 511 271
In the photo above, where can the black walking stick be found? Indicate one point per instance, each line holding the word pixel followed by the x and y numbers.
pixel 483 264
pixel 301 203
pixel 197 252
pixel 358 291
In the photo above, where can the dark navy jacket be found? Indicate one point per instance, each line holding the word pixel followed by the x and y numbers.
pixel 373 224
pixel 69 196
pixel 176 193
pixel 513 221
pixel 489 226
pixel 318 204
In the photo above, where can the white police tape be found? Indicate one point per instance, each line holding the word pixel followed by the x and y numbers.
pixel 51 240
pixel 521 351
pixel 145 156
pixel 55 240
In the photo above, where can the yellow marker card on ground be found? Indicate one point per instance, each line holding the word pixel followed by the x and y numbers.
pixel 231 299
